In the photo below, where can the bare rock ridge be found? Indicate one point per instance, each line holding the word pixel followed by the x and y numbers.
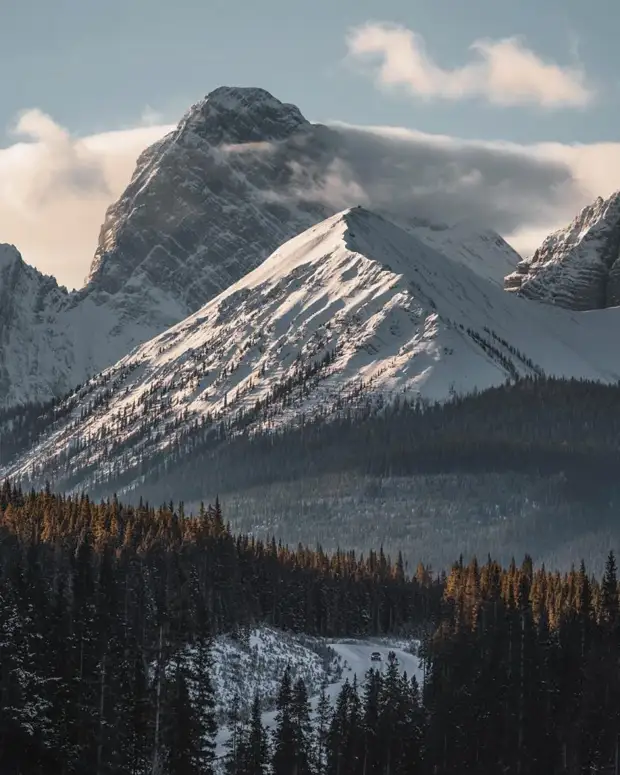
pixel 577 267
pixel 30 303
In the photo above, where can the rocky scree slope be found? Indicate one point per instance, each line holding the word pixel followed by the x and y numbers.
pixel 577 267
pixel 353 309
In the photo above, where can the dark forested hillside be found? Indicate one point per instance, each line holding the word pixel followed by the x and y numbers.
pixel 534 426
pixel 99 602
pixel 529 466
pixel 21 426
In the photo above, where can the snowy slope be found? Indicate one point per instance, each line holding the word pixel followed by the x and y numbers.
pixel 241 174
pixel 260 667
pixel 481 250
pixel 353 305
pixel 577 267
pixel 255 661
pixel 354 658
pixel 52 340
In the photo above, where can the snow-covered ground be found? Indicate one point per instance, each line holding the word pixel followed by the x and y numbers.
pixel 258 663
pixel 255 661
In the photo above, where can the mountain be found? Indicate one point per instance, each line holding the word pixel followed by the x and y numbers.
pixel 34 353
pixel 52 340
pixel 577 267
pixel 241 174
pixel 355 308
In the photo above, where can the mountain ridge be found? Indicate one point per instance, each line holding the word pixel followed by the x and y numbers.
pixel 577 267
pixel 355 308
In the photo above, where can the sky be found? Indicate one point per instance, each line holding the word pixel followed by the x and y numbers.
pixel 532 88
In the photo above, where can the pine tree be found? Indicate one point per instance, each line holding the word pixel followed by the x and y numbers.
pixel 181 730
pixel 203 701
pixel 302 726
pixel 254 755
pixel 371 717
pixel 609 592
pixel 232 758
pixel 338 729
pixel 285 735
pixel 389 697
pixel 323 717
pixel 354 737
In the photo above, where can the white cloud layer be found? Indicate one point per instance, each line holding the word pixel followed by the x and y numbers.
pixel 54 189
pixel 504 72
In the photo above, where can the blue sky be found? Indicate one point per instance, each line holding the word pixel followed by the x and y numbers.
pixel 97 65
pixel 96 82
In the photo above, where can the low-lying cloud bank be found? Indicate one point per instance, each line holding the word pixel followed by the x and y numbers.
pixel 54 189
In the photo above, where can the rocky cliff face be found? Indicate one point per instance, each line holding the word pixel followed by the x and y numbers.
pixel 207 203
pixel 241 174
pixel 50 339
pixel 32 349
pixel 577 267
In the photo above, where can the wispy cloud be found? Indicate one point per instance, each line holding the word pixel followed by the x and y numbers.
pixel 503 72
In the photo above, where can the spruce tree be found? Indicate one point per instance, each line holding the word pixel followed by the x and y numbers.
pixel 285 734
pixel 254 756
pixel 609 592
pixel 233 745
pixel 371 718
pixel 181 731
pixel 338 734
pixel 302 725
pixel 323 717
pixel 203 702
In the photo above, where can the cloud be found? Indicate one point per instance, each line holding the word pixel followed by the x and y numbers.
pixel 54 189
pixel 441 178
pixel 504 72
pixel 65 166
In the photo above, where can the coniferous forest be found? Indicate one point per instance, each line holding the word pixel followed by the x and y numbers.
pixel 527 467
pixel 108 614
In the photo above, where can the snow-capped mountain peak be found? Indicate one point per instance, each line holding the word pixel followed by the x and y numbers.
pixel 353 308
pixel 9 255
pixel 577 267
pixel 236 114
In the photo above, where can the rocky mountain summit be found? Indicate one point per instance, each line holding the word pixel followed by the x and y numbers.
pixel 203 206
pixel 577 267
